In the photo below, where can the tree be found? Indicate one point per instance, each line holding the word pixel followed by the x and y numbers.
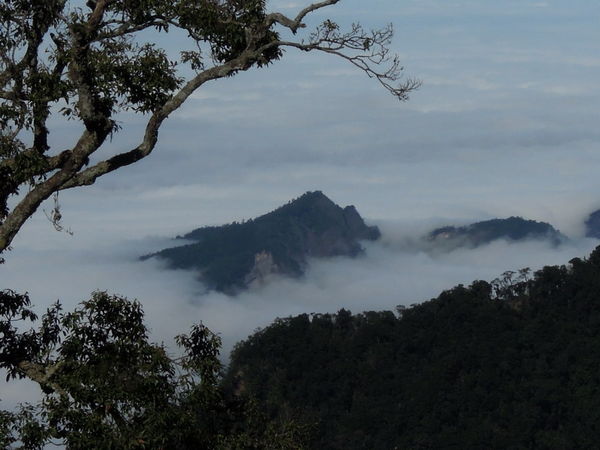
pixel 89 63
pixel 106 386
pixel 92 62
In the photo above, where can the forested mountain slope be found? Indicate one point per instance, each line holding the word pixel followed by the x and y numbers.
pixel 510 364
pixel 484 232
pixel 234 256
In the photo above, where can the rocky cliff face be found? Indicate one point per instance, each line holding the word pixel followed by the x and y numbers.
pixel 239 255
pixel 263 267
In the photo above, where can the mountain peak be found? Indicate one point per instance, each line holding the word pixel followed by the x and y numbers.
pixel 309 201
pixel 313 195
pixel 238 255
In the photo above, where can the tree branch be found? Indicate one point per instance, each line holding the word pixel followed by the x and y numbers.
pixel 128 28
pixel 385 78
pixel 50 163
pixel 41 374
pixel 89 175
pixel 294 24
pixel 101 87
pixel 91 111
pixel 87 144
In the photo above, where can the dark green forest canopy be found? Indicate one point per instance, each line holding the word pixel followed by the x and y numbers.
pixel 508 364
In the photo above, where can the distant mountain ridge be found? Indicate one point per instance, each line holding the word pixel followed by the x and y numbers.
pixel 481 233
pixel 232 257
pixel 592 225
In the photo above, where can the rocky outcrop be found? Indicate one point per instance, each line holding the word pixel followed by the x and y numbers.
pixel 239 255
pixel 263 267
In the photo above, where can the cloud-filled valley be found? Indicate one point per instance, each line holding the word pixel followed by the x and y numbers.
pixel 393 271
pixel 504 125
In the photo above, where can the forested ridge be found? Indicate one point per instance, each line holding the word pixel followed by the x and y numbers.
pixel 484 232
pixel 509 364
pixel 225 257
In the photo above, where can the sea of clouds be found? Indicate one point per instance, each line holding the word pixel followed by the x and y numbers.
pixel 392 271
pixel 505 124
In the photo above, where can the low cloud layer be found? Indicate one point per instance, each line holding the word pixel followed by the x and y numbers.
pixel 393 271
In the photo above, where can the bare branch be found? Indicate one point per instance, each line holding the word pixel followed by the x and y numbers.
pixel 294 24
pixel 126 28
pixel 55 216
pixel 367 51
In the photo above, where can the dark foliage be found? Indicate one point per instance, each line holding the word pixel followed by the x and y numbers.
pixel 311 225
pixel 105 386
pixel 508 364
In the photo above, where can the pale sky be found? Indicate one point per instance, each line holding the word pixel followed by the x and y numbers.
pixel 506 123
